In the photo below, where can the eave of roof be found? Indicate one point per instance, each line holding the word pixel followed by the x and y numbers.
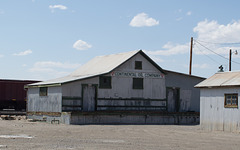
pixel 169 71
pixel 221 79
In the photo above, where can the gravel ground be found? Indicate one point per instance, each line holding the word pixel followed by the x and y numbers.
pixel 22 134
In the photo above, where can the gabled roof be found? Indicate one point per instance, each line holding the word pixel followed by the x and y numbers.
pixel 221 79
pixel 97 66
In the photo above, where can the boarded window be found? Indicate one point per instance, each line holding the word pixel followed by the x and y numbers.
pixel 43 91
pixel 105 82
pixel 231 100
pixel 137 83
pixel 138 65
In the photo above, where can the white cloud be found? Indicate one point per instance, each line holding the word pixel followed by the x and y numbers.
pixel 1 56
pixel 180 15
pixel 213 32
pixel 179 19
pixel 208 31
pixel 189 13
pixel 81 45
pixel 201 66
pixel 61 7
pixel 52 64
pixel 51 69
pixel 1 12
pixel 142 19
pixel 154 57
pixel 27 52
pixel 171 49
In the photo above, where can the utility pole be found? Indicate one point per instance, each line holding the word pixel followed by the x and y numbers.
pixel 190 64
pixel 230 60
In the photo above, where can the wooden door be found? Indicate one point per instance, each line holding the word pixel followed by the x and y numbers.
pixel 89 97
pixel 173 99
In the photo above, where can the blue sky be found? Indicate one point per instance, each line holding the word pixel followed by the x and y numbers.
pixel 47 39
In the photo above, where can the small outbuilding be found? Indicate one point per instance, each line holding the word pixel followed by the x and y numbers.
pixel 219 106
pixel 125 88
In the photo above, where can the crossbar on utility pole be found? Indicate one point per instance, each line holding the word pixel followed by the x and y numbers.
pixel 190 64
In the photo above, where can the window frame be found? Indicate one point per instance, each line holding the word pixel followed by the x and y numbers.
pixel 43 91
pixel 106 85
pixel 230 105
pixel 138 65
pixel 136 85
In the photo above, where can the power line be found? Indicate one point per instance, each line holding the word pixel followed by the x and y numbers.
pixel 210 50
pixel 207 55
pixel 214 52
pixel 226 43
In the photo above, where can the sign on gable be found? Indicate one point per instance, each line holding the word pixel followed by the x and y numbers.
pixel 137 74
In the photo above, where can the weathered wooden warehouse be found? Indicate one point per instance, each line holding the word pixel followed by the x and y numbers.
pixel 219 107
pixel 121 88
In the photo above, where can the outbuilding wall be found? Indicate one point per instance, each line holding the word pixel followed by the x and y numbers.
pixel 72 94
pixel 213 115
pixel 189 96
pixel 50 103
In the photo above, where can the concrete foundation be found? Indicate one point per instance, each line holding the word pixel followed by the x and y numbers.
pixel 82 118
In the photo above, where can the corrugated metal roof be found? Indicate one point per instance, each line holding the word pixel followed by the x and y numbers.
pixel 103 64
pixel 221 79
pixel 97 66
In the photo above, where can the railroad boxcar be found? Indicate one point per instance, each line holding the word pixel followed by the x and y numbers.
pixel 12 94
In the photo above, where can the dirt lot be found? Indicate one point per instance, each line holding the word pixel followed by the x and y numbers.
pixel 22 134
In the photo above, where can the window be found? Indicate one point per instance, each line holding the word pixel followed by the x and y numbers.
pixel 137 83
pixel 105 82
pixel 138 65
pixel 231 100
pixel 43 91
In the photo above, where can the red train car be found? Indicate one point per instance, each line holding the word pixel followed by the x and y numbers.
pixel 13 94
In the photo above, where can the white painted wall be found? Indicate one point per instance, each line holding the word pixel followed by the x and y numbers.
pixel 122 86
pixel 189 96
pixel 213 114
pixel 75 88
pixel 50 103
